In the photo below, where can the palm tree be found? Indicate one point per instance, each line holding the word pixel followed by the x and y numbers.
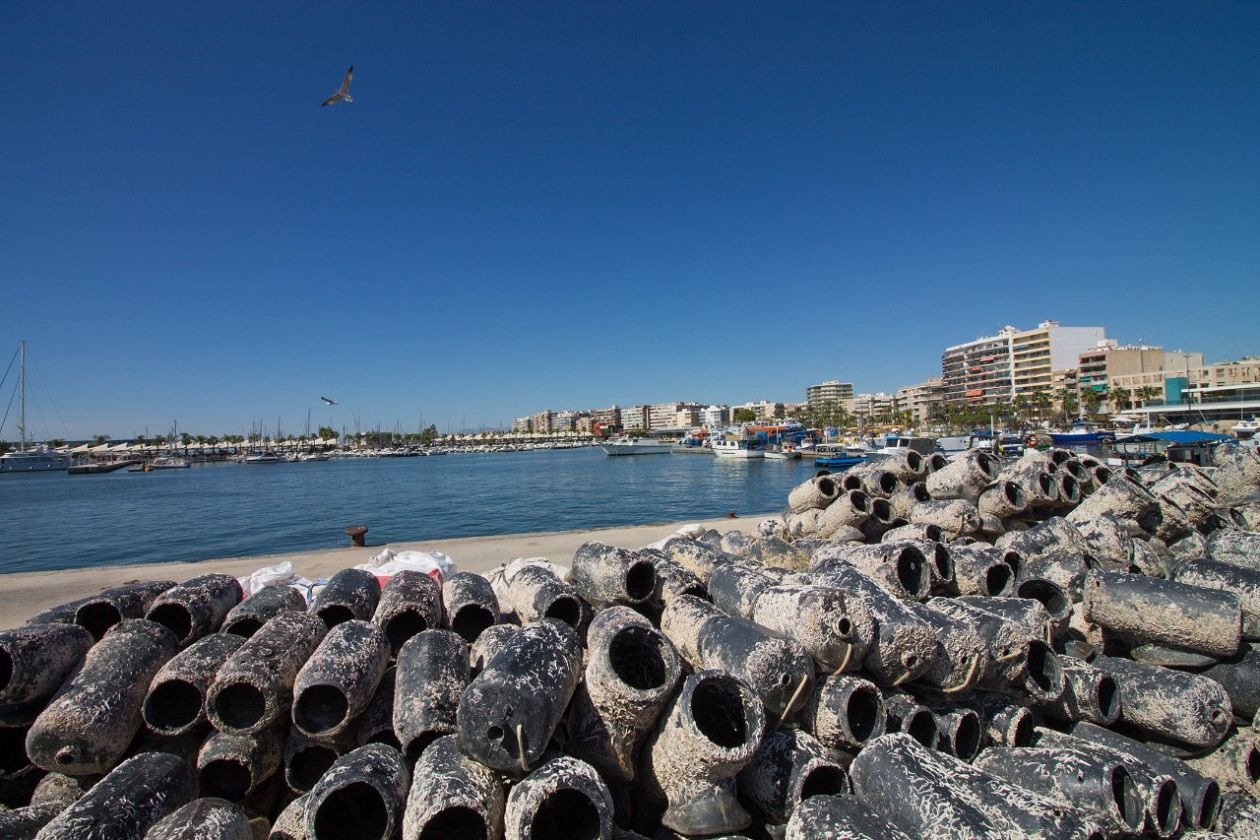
pixel 1122 397
pixel 1146 393
pixel 97 440
pixel 1070 401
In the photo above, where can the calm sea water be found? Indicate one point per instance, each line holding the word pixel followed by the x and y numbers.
pixel 59 521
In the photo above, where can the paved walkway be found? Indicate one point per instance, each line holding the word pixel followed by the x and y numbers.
pixel 22 594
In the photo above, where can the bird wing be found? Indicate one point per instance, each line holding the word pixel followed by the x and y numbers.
pixel 330 402
pixel 336 97
pixel 345 83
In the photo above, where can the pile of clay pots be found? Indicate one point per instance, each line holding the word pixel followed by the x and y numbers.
pixel 918 647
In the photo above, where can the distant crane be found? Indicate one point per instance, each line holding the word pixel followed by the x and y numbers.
pixel 343 92
pixel 330 402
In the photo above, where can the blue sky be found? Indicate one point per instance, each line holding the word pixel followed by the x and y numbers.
pixel 567 205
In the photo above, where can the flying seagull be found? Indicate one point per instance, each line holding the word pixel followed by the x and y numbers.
pixel 343 92
pixel 330 402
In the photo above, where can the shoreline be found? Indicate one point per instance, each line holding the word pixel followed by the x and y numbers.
pixel 23 594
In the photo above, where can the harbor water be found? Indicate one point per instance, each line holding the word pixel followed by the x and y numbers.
pixel 58 521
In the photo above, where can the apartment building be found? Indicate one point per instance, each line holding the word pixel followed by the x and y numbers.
pixel 1098 365
pixel 540 423
pixel 688 415
pixel 763 410
pixel 1014 361
pixel 831 391
pixel 873 408
pixel 716 416
pixel 918 399
pixel 609 418
pixel 564 421
pixel 635 417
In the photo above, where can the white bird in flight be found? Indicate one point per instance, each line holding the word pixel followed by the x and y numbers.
pixel 343 92
pixel 330 402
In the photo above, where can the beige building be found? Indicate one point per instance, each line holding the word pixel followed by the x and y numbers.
pixel 1100 364
pixel 919 399
pixel 688 415
pixel 1013 362
pixel 873 408
pixel 540 423
pixel 607 417
pixel 635 417
pixel 763 410
pixel 1245 371
pixel 831 391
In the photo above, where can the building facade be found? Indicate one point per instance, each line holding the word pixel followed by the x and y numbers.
pixel 1013 362
pixel 831 391
pixel 540 423
pixel 918 399
pixel 1100 364
pixel 716 416
pixel 634 417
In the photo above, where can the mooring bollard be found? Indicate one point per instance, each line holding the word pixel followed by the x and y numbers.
pixel 357 535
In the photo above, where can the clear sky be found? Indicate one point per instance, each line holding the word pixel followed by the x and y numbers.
pixel 566 205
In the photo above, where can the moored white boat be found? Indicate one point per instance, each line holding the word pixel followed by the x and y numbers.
pixel 166 462
pixel 635 446
pixel 737 448
pixel 39 459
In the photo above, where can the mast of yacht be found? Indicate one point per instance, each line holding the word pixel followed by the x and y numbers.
pixel 22 396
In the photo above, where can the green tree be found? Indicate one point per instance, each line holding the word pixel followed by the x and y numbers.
pixel 97 440
pixel 743 415
pixel 1122 398
pixel 1147 393
pixel 1069 402
pixel 4 446
pixel 54 443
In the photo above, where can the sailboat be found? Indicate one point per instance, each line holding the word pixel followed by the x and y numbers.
pixel 39 459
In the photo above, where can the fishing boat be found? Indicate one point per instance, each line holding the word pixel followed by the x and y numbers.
pixel 1081 433
pixel 40 458
pixel 737 448
pixel 840 460
pixel 626 445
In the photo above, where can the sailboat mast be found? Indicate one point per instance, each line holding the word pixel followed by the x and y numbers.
pixel 22 396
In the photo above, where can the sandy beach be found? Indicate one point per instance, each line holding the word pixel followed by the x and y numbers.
pixel 23 594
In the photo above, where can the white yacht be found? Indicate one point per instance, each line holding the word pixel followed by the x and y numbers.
pixel 635 446
pixel 39 459
pixel 737 448
pixel 167 462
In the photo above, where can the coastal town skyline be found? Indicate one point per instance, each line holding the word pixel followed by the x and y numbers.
pixel 579 205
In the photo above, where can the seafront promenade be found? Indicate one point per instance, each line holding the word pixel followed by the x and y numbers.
pixel 23 594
